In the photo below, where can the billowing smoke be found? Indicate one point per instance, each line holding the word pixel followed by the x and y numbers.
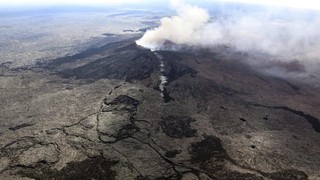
pixel 179 29
pixel 287 37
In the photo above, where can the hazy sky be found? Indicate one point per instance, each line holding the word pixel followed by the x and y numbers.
pixel 67 2
pixel 305 4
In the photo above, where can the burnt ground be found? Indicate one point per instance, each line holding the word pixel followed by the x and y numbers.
pixel 178 126
pixel 93 168
pixel 99 115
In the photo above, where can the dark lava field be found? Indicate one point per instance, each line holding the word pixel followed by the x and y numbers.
pixel 100 114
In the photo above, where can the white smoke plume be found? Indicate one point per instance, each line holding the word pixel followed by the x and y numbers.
pixel 178 29
pixel 163 78
pixel 288 39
